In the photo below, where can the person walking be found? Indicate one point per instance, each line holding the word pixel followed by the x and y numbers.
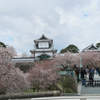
pixel 97 70
pixel 82 76
pixel 92 69
pixel 77 73
pixel 91 77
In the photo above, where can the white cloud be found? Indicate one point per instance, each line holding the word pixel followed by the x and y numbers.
pixel 66 22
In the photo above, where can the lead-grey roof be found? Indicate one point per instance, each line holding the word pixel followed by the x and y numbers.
pixel 43 38
pixel 88 48
pixel 23 60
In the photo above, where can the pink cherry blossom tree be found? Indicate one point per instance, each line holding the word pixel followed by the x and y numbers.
pixel 90 58
pixel 10 77
pixel 43 75
pixel 24 55
pixel 65 59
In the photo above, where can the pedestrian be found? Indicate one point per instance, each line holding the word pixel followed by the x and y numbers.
pixel 91 77
pixel 86 71
pixel 83 76
pixel 77 73
pixel 97 70
pixel 92 69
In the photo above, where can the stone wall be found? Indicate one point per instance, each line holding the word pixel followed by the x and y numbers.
pixel 29 95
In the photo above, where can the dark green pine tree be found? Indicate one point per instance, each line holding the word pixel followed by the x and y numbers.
pixel 71 48
pixel 2 44
pixel 98 45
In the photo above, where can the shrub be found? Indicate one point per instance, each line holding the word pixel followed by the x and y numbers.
pixel 68 84
pixel 2 89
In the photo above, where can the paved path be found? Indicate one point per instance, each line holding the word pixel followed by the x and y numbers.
pixel 20 99
pixel 90 89
pixel 65 98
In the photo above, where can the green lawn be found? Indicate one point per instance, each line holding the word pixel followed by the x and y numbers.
pixel 28 91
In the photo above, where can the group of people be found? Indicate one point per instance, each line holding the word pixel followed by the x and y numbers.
pixel 84 71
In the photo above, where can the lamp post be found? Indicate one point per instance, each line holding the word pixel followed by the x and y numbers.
pixel 68 66
pixel 81 63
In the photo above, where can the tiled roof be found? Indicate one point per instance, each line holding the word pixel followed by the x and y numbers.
pixel 23 59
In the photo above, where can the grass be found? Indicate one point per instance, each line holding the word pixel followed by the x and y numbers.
pixel 59 85
pixel 28 91
pixel 61 88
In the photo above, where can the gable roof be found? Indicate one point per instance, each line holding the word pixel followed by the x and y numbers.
pixel 43 38
pixel 90 48
pixel 23 60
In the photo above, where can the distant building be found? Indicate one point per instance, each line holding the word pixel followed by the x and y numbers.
pixel 91 48
pixel 43 48
pixel 23 60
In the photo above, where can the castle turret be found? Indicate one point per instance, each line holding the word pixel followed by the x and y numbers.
pixel 43 48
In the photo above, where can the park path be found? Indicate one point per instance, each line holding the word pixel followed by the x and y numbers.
pixel 91 90
pixel 65 98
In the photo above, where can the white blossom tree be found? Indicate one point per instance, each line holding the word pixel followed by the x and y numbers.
pixel 10 77
pixel 90 58
pixel 43 75
pixel 24 55
pixel 65 59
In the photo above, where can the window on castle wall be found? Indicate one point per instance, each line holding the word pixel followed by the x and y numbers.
pixel 44 57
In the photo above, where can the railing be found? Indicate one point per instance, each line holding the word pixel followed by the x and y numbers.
pixel 92 83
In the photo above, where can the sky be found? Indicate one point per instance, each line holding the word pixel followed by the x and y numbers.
pixel 65 21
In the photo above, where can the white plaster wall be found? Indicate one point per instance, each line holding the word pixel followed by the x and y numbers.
pixel 37 58
pixel 43 44
pixel 40 53
pixel 22 60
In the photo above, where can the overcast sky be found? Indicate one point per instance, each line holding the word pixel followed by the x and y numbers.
pixel 65 21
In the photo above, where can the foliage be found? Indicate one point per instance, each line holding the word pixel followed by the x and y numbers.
pixel 24 55
pixel 68 84
pixel 98 45
pixel 24 67
pixel 90 58
pixel 29 91
pixel 12 78
pixel 43 75
pixel 2 89
pixel 71 48
pixel 2 44
pixel 65 59
pixel 63 51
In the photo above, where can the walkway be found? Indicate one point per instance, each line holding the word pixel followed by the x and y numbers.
pixel 65 98
pixel 91 90
pixel 70 98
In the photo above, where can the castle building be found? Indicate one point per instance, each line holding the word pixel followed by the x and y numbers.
pixel 43 48
pixel 91 48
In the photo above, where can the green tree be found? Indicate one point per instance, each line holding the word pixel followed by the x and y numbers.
pixel 71 48
pixel 63 50
pixel 2 44
pixel 68 84
pixel 98 45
